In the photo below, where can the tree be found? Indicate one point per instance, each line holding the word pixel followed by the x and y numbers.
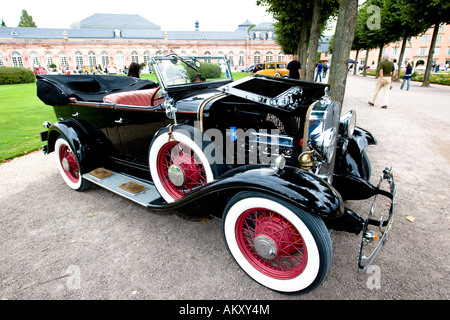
pixel 299 26
pixel 435 12
pixel 3 24
pixel 26 20
pixel 292 26
pixel 345 29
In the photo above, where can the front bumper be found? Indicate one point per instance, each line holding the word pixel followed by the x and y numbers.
pixel 377 226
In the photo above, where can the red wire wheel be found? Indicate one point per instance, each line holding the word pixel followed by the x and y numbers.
pixel 178 162
pixel 69 166
pixel 69 163
pixel 180 169
pixel 276 243
pixel 271 243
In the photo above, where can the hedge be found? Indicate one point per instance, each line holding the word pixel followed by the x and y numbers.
pixel 9 75
pixel 207 70
pixel 439 78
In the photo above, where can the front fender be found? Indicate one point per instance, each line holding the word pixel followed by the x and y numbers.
pixel 353 169
pixel 298 187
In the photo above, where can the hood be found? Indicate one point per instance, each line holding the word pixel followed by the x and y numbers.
pixel 283 93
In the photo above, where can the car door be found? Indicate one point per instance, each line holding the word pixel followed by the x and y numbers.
pixel 136 127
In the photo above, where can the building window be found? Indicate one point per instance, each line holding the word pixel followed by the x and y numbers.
pixel 147 57
pixel 35 62
pixel 16 58
pixel 281 56
pixel 63 62
pixel 91 59
pixel 120 59
pixel 269 56
pixel 241 59
pixel 269 35
pixel 231 59
pixel 447 52
pixel 158 53
pixel 257 57
pixel 436 51
pixel 207 54
pixel 1 62
pixel 134 57
pixel 439 38
pixel 78 60
pixel 49 59
pixel 425 38
pixel 422 52
pixel 105 59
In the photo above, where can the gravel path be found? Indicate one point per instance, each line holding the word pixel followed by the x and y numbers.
pixel 61 244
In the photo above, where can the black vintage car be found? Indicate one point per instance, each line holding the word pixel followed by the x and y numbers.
pixel 273 158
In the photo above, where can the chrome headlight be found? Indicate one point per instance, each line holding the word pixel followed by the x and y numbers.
pixel 325 144
pixel 348 123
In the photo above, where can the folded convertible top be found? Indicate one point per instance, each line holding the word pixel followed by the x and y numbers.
pixel 55 90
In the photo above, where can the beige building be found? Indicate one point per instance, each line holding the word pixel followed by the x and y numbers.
pixel 116 40
pixel 417 49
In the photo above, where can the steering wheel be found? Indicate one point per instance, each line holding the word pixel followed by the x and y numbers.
pixel 154 98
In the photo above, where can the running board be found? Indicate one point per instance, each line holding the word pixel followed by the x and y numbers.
pixel 126 186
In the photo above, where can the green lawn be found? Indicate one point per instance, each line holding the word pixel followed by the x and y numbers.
pixel 21 118
pixel 22 114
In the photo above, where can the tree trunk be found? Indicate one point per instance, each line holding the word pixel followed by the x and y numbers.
pixel 313 41
pixel 426 77
pixel 402 53
pixel 345 30
pixel 365 63
pixel 355 65
pixel 380 55
pixel 302 47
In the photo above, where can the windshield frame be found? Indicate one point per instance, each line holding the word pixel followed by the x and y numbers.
pixel 157 62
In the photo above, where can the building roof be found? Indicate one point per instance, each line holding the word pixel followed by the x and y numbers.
pixel 125 26
pixel 244 26
pixel 116 21
pixel 265 26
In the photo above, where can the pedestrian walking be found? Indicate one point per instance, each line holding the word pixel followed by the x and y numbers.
pixel 407 77
pixel 319 72
pixel 325 69
pixel 386 72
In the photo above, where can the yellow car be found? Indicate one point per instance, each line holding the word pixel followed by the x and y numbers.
pixel 274 69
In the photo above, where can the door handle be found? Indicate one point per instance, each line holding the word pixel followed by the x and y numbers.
pixel 77 114
pixel 119 121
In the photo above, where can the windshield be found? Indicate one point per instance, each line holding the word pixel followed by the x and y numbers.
pixel 173 70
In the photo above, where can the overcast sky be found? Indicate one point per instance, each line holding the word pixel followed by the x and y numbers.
pixel 178 15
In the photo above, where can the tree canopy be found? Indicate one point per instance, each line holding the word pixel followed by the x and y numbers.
pixel 26 20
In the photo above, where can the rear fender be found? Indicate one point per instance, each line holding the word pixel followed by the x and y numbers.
pixel 82 139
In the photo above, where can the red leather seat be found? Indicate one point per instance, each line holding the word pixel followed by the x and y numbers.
pixel 132 98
